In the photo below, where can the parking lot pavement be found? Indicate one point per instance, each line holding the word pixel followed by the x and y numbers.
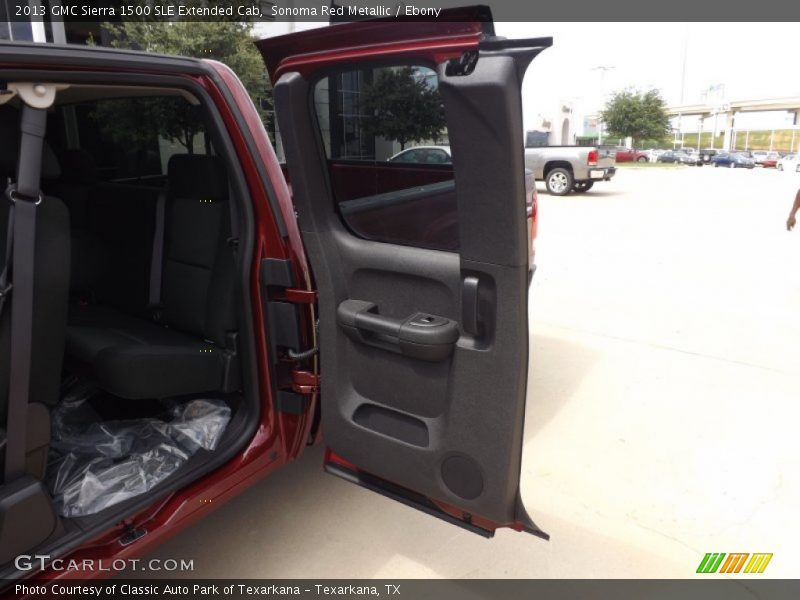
pixel 664 404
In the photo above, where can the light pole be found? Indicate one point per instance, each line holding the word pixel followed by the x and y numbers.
pixel 603 69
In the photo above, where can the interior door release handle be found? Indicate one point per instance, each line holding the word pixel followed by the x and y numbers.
pixel 422 335
pixel 469 305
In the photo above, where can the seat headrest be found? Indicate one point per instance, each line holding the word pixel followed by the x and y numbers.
pixel 9 147
pixel 197 176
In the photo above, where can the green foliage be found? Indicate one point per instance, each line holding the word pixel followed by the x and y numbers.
pixel 401 106
pixel 638 115
pixel 225 41
pixel 137 122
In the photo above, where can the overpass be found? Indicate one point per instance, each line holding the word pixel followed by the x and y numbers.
pixel 730 109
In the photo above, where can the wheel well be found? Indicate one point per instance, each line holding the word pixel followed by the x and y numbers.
pixel 556 164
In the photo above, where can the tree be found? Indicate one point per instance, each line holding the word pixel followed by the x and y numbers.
pixel 637 115
pixel 400 105
pixel 229 42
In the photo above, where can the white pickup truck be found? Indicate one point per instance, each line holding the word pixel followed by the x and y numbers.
pixel 566 169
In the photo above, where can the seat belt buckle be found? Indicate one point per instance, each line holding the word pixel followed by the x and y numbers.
pixel 156 312
pixel 13 195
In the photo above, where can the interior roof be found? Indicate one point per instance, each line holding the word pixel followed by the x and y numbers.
pixel 76 93
pixel 84 93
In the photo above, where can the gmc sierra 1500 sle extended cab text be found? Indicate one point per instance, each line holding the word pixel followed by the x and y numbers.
pixel 177 323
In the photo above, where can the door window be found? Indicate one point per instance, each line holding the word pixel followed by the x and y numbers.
pixel 130 138
pixel 386 143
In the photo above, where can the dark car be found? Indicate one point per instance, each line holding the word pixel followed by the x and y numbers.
pixel 671 156
pixel 733 160
pixel 708 153
pixel 171 351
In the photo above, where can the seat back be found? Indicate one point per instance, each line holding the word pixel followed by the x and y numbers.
pixel 121 218
pixel 197 277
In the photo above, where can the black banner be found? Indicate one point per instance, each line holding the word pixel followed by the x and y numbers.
pixel 342 10
pixel 411 589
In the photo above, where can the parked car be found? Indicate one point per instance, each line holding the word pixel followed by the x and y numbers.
pixel 566 169
pixel 671 156
pixel 690 157
pixel 790 162
pixel 733 160
pixel 436 155
pixel 652 155
pixel 759 155
pixel 770 160
pixel 630 155
pixel 708 154
pixel 177 291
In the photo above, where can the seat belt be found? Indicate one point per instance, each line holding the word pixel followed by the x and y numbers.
pixel 157 258
pixel 25 197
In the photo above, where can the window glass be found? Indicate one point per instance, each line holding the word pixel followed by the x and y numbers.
pixel 130 138
pixel 387 148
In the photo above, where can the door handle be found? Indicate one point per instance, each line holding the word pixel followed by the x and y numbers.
pixel 422 335
pixel 469 304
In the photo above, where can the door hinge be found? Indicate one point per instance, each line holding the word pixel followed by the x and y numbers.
pixel 297 296
pixel 305 382
pixel 279 273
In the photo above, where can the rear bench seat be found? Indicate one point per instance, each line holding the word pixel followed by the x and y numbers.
pixel 191 347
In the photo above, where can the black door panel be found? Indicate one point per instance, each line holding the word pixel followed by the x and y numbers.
pixel 439 411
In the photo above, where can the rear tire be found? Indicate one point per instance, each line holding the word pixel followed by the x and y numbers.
pixel 559 182
pixel 582 187
pixel 641 159
pixel 731 165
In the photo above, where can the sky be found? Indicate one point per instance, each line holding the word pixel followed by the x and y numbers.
pixel 744 61
pixel 751 60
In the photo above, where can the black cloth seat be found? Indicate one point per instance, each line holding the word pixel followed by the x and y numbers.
pixel 191 348
pixel 136 358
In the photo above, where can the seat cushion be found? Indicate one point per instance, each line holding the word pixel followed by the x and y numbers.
pixel 135 358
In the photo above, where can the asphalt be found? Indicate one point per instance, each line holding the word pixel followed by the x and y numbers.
pixel 664 405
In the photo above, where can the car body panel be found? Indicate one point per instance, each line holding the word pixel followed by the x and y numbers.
pixel 458 31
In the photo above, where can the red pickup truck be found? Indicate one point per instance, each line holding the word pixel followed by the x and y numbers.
pixel 183 324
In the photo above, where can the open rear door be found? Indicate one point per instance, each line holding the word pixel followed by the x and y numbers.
pixel 420 258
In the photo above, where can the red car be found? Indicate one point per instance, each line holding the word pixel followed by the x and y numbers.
pixel 630 155
pixel 182 323
pixel 770 160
